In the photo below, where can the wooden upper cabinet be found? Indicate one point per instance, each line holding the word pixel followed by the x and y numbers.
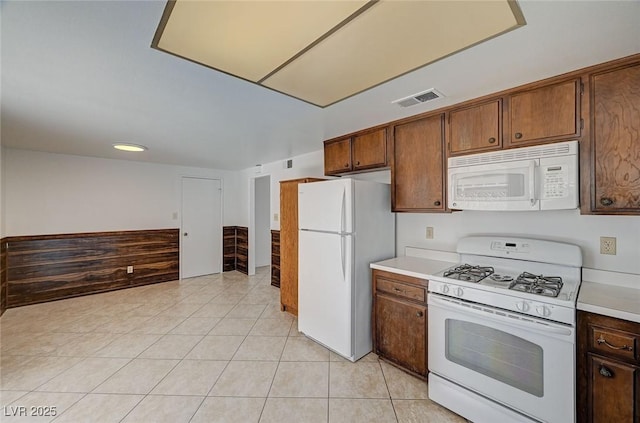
pixel 365 150
pixel 337 156
pixel 548 113
pixel 417 168
pixel 369 150
pixel 476 128
pixel 615 140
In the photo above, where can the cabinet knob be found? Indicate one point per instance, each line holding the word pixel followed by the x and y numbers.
pixel 605 372
pixel 518 135
pixel 419 314
pixel 492 140
pixel 357 163
pixel 346 165
pixel 606 201
pixel 436 203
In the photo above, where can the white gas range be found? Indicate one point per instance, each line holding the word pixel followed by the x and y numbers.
pixel 502 330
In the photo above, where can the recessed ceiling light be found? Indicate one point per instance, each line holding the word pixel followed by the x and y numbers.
pixel 130 147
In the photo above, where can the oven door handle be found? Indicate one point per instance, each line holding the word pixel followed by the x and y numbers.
pixel 517 322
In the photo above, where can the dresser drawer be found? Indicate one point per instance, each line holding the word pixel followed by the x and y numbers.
pixel 401 290
pixel 612 342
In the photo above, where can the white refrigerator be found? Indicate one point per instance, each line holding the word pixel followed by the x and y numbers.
pixel 344 225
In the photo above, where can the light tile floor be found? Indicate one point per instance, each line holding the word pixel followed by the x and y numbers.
pixel 209 349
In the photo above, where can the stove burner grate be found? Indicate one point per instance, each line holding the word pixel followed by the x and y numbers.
pixel 469 273
pixel 548 286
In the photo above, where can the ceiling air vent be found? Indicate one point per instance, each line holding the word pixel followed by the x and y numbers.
pixel 421 97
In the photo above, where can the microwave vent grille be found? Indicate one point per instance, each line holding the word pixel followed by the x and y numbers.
pixel 548 150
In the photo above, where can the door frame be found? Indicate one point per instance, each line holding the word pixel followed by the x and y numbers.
pixel 221 216
pixel 252 219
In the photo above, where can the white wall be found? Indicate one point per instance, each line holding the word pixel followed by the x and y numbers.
pixel 54 193
pixel 305 165
pixel 561 225
pixel 262 219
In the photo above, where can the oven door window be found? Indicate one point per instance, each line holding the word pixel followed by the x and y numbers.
pixel 496 354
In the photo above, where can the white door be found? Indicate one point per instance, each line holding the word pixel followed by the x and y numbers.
pixel 326 206
pixel 325 289
pixel 201 247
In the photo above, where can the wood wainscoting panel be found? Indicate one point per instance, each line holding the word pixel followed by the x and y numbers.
pixel 228 248
pixel 3 275
pixel 275 258
pixel 235 249
pixel 51 267
pixel 242 249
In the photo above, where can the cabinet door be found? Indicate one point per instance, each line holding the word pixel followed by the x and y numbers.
pixel 614 391
pixel 370 150
pixel 401 333
pixel 289 246
pixel 545 114
pixel 417 168
pixel 616 140
pixel 477 128
pixel 337 156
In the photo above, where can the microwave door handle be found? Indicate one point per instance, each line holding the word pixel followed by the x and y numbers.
pixel 532 182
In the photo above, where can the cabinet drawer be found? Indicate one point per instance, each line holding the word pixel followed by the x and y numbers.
pixel 613 343
pixel 401 290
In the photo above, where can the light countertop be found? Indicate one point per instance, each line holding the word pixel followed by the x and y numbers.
pixel 413 266
pixel 608 293
pixel 622 302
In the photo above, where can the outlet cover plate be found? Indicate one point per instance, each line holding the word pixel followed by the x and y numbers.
pixel 608 245
pixel 429 233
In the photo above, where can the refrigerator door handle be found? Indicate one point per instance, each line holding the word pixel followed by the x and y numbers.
pixel 342 213
pixel 342 255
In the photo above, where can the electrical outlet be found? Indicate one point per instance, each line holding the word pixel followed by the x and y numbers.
pixel 429 232
pixel 275 217
pixel 608 245
pixel 129 269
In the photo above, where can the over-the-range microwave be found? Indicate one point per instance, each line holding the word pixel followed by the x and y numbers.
pixel 543 177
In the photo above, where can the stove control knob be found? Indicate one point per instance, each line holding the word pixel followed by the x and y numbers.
pixel 543 311
pixel 522 306
pixel 444 289
pixel 458 292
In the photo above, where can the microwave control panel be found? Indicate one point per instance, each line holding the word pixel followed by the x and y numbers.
pixel 555 181
pixel 558 186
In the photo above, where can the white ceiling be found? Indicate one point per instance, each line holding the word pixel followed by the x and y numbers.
pixel 78 76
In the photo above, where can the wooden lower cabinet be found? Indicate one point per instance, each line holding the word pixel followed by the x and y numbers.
pixel 400 321
pixel 614 390
pixel 608 369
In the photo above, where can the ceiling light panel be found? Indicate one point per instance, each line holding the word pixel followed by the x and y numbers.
pixel 387 40
pixel 323 51
pixel 249 39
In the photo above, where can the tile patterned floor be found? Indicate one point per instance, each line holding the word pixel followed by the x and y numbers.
pixel 209 349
